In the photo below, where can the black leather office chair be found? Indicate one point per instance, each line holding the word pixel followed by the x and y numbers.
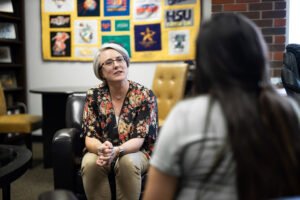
pixel 67 148
pixel 290 71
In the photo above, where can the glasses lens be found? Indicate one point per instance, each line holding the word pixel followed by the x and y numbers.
pixel 119 59
pixel 109 62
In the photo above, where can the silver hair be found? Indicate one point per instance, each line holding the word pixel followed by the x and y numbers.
pixel 96 62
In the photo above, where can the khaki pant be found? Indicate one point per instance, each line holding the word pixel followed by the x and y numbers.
pixel 128 170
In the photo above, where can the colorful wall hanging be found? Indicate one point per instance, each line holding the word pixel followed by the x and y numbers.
pixel 151 30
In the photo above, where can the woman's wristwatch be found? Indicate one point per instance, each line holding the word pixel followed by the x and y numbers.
pixel 121 151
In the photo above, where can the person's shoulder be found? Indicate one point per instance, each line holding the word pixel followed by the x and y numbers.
pixel 137 85
pixel 191 105
pixel 192 102
pixel 140 88
pixel 97 88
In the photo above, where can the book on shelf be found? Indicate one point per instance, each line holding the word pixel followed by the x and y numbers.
pixel 6 6
pixel 8 31
pixel 8 80
pixel 5 54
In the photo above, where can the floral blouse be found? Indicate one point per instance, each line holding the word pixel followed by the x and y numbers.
pixel 138 117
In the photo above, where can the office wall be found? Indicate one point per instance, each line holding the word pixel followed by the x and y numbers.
pixel 270 16
pixel 293 18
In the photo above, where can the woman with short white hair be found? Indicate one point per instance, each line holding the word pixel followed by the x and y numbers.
pixel 119 125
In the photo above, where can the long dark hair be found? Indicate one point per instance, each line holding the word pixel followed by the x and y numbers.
pixel 263 128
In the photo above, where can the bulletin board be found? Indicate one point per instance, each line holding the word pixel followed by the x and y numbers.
pixel 150 30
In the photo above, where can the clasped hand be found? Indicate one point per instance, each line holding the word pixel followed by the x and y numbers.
pixel 106 154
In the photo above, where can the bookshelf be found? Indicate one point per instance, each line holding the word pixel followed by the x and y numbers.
pixel 12 51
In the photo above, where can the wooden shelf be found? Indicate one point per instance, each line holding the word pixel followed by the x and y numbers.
pixel 9 17
pixel 7 42
pixel 10 65
pixel 14 73
pixel 17 89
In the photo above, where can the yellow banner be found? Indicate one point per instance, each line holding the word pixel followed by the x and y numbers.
pixel 150 30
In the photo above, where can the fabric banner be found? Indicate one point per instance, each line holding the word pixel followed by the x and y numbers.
pixel 151 30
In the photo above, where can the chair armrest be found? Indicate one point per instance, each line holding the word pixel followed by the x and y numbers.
pixel 64 148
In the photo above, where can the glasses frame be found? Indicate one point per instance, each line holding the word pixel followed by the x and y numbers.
pixel 113 61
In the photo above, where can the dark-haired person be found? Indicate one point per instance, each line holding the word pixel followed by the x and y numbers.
pixel 238 138
pixel 119 126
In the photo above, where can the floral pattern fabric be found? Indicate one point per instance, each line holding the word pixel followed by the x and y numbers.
pixel 138 117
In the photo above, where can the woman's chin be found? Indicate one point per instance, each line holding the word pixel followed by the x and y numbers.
pixel 118 79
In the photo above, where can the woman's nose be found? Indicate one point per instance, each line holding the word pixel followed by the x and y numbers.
pixel 116 64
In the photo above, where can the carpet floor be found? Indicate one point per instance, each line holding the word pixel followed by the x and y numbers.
pixel 34 181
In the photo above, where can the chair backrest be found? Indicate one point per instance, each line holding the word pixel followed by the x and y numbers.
pixel 3 108
pixel 169 87
pixel 74 110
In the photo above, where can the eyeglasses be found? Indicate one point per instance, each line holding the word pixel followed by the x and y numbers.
pixel 111 62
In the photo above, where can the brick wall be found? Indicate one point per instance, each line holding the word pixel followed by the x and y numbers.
pixel 270 16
